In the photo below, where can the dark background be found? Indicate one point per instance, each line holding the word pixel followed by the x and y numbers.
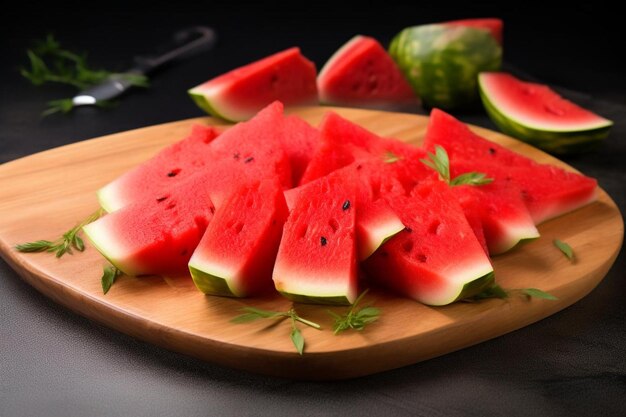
pixel 53 362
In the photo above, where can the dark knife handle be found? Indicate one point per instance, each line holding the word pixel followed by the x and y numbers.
pixel 184 43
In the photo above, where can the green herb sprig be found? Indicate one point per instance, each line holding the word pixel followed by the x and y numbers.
pixel 109 276
pixel 50 63
pixel 252 314
pixel 440 162
pixel 355 319
pixel 69 241
pixel 564 248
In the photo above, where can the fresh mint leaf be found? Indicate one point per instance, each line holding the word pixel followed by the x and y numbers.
pixel 565 248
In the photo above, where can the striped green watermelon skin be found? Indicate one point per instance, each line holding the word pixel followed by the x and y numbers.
pixel 557 140
pixel 442 62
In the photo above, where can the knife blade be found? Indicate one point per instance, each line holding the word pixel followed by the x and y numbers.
pixel 183 44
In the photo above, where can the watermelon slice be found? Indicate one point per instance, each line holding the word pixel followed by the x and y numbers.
pixel 242 152
pixel 317 261
pixel 155 236
pixel 375 220
pixel 504 218
pixel 236 254
pixel 362 74
pixel 169 167
pixel 437 259
pixel 548 191
pixel 493 25
pixel 239 94
pixel 536 114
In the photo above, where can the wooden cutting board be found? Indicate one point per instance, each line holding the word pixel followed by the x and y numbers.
pixel 43 195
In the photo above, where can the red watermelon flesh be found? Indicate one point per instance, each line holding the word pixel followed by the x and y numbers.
pixel 300 142
pixel 239 94
pixel 375 220
pixel 472 208
pixel 437 259
pixel 237 252
pixel 155 236
pixel 501 211
pixel 317 260
pixel 493 25
pixel 362 74
pixel 547 190
pixel 169 167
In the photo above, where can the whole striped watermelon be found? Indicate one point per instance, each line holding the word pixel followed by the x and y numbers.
pixel 442 61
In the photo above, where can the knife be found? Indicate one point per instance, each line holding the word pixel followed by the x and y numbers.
pixel 183 44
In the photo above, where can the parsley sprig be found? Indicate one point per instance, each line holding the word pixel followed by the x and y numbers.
pixel 440 162
pixel 68 241
pixel 252 314
pixel 355 319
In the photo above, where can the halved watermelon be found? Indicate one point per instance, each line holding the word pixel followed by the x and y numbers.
pixel 237 252
pixel 155 236
pixel 169 167
pixel 239 94
pixel 317 261
pixel 547 190
pixel 493 25
pixel 437 259
pixel 538 115
pixel 362 74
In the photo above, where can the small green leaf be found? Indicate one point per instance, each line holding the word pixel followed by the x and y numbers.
pixel 565 248
pixel 355 319
pixel 78 243
pixel 537 293
pixel 494 291
pixel 471 178
pixel 36 246
pixel 108 277
pixel 298 340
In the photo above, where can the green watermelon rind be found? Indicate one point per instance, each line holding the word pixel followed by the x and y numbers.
pixel 553 141
pixel 514 237
pixel 204 103
pixel 442 62
pixel 476 286
pixel 212 284
pixel 105 244
pixel 312 299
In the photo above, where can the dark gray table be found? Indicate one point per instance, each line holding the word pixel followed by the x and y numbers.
pixel 53 362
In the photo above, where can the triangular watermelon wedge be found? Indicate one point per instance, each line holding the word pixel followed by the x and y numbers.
pixel 316 261
pixel 437 259
pixel 547 190
pixel 237 252
pixel 362 74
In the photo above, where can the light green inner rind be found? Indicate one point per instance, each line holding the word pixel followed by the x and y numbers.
pixel 93 238
pixel 476 286
pixel 310 299
pixel 442 63
pixel 211 284
pixel 549 140
pixel 202 102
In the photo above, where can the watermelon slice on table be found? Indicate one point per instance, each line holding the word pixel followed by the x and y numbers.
pixel 300 142
pixel 239 94
pixel 375 220
pixel 536 114
pixel 493 25
pixel 437 259
pixel 362 74
pixel 316 261
pixel 504 218
pixel 548 191
pixel 169 167
pixel 155 236
pixel 237 252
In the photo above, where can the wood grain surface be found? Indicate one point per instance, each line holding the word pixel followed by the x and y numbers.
pixel 45 194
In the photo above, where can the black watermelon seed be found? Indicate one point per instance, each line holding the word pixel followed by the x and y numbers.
pixel 249 159
pixel 323 241
pixel 346 205
pixel 492 151
pixel 161 199
pixel 408 229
